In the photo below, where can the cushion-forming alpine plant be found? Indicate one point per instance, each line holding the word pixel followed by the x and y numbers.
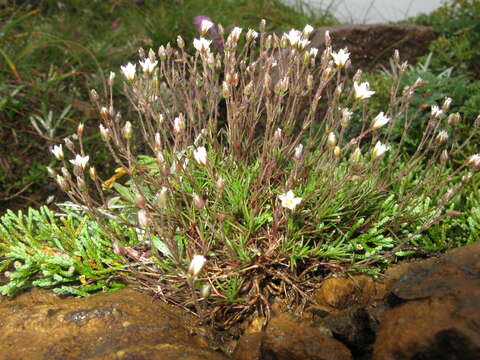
pixel 253 168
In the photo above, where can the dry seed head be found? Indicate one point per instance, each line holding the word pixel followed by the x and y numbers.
pixel 93 173
pixel 104 133
pixel 262 26
pixel 52 173
pixel 69 144
pixel 337 152
pixel 180 42
pixel 111 78
pixel 356 156
pixel 328 39
pixel 62 183
pixel 225 90
pixel 298 152
pixel 80 129
pixel 474 161
pixel 179 124
pixel 140 200
pixel 161 198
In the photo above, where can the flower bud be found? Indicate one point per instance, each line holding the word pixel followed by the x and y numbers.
pixel 442 137
pixel 140 200
pixel 104 113
pixel 220 184
pixel 277 136
pixel 80 129
pixel 446 104
pixel 337 152
pixel 198 202
pixel 444 156
pixel 94 95
pixel 328 39
pixel 142 218
pixel 356 156
pixel 162 197
pixel 205 291
pixel 93 173
pixel 52 173
pixel 225 90
pixel 111 78
pixel 127 130
pixel 298 152
pixel 69 144
pixel 180 42
pixel 453 119
pixel 62 183
pixel 332 140
pixel 196 265
pixel 179 124
pixel 262 25
pixel 162 54
pixel 200 155
pixel 104 133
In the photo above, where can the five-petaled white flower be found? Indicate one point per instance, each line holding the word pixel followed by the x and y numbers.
pixel 200 155
pixel 202 44
pixel 196 265
pixel 289 200
pixel 80 161
pixel 436 111
pixel 294 37
pixel 58 151
pixel 129 71
pixel 380 120
pixel 148 65
pixel 307 30
pixel 379 150
pixel 341 57
pixel 205 25
pixel 362 91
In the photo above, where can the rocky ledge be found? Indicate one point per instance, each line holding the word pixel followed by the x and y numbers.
pixel 420 310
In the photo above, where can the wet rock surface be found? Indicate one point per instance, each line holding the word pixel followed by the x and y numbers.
pixel 120 325
pixel 373 45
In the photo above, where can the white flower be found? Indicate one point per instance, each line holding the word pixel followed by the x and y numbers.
pixel 362 91
pixel 307 30
pixel 80 161
pixel 235 34
pixel 148 65
pixel 379 150
pixel 293 37
pixel 436 111
pixel 313 52
pixel 205 25
pixel 474 161
pixel 196 265
pixel 58 151
pixel 129 71
pixel 200 155
pixel 303 43
pixel 379 121
pixel 341 57
pixel 289 200
pixel 202 44
pixel 251 35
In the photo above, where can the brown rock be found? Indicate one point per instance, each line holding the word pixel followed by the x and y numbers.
pixel 341 293
pixel 438 317
pixel 287 339
pixel 249 347
pixel 120 325
pixel 373 45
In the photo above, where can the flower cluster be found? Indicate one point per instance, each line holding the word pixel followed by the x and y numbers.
pixel 226 140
